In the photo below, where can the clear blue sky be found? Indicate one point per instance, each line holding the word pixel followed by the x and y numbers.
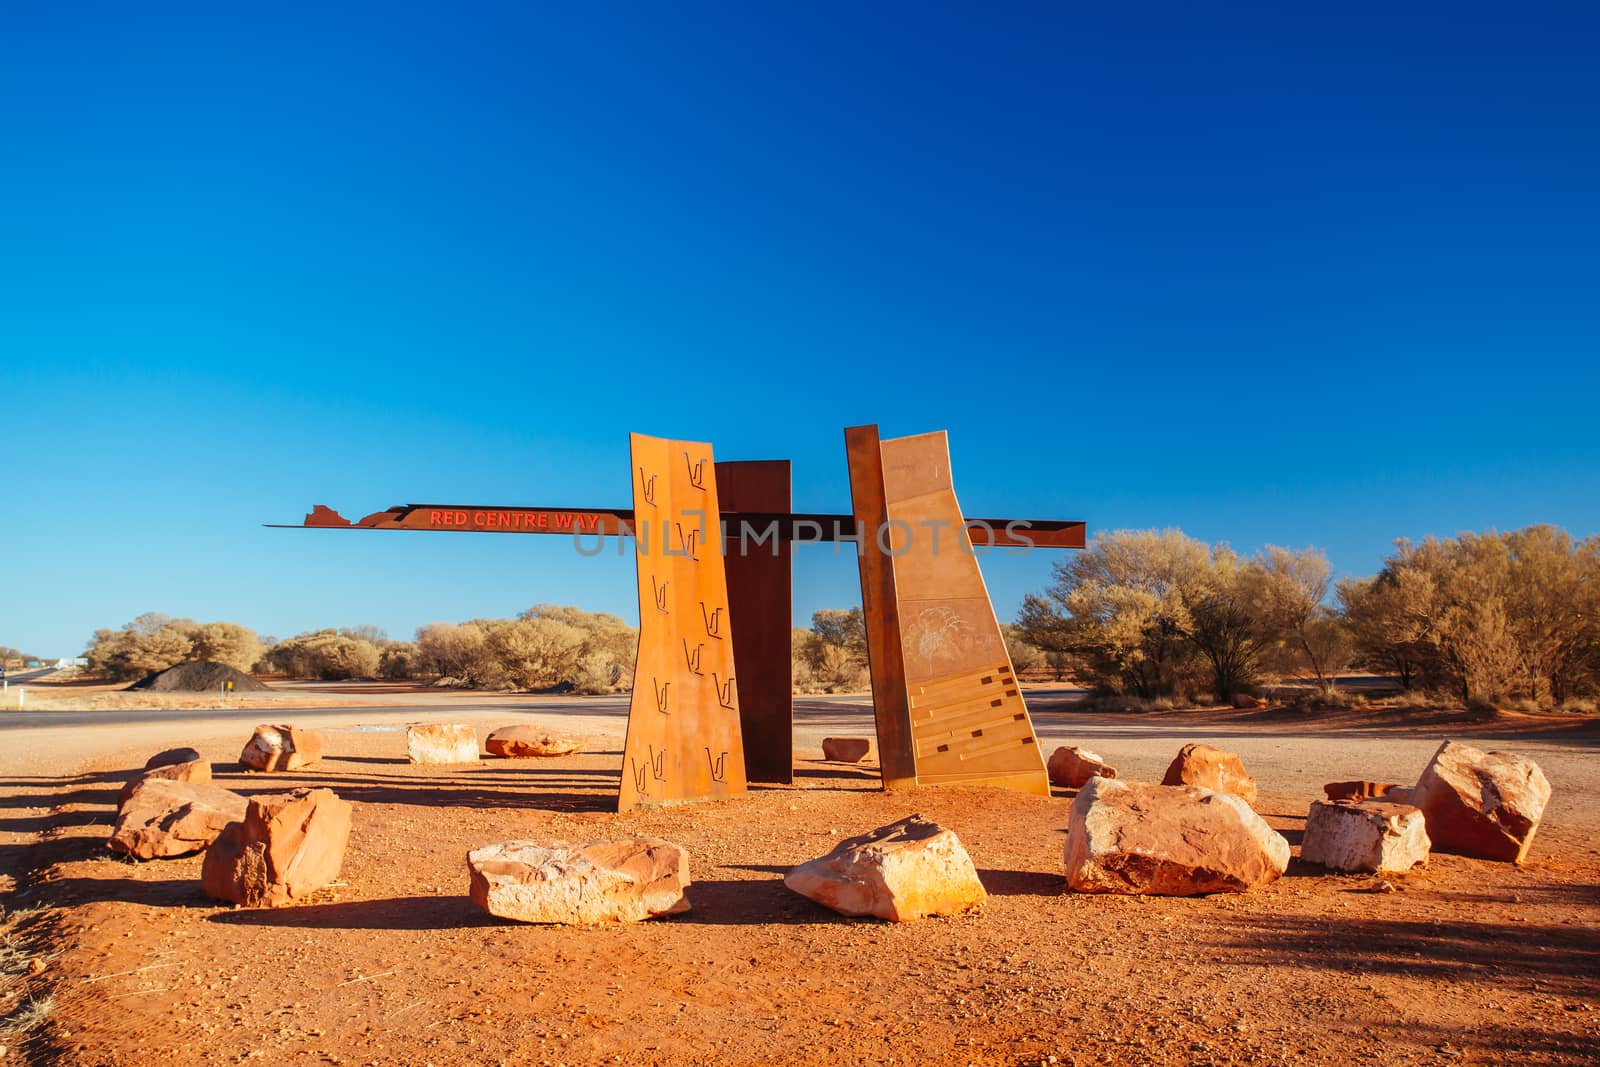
pixel 1268 274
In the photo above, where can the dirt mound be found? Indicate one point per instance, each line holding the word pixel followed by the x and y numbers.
pixel 197 678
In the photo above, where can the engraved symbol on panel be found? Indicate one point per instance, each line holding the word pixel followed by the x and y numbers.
pixel 689 544
pixel 658 763
pixel 692 659
pixel 659 589
pixel 661 695
pixel 724 692
pixel 647 487
pixel 697 472
pixel 641 776
pixel 713 621
pixel 719 766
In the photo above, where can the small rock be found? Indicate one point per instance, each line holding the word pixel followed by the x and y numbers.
pixel 164 818
pixel 1371 835
pixel 287 846
pixel 1362 790
pixel 1166 840
pixel 520 742
pixel 193 771
pixel 1244 701
pixel 441 742
pixel 170 756
pixel 598 882
pixel 1072 767
pixel 907 870
pixel 281 748
pixel 846 749
pixel 1212 768
pixel 1485 804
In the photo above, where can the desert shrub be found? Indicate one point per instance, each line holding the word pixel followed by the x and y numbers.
pixel 1493 617
pixel 1159 614
pixel 548 646
pixel 1123 704
pixel 397 661
pixel 831 657
pixel 325 655
pixel 154 642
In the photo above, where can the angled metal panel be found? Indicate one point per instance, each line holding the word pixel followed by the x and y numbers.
pixel 683 741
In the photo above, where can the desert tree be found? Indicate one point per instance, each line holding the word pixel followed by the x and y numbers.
pixel 1297 630
pixel 1122 610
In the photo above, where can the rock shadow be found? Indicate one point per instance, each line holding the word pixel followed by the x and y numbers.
pixel 998 883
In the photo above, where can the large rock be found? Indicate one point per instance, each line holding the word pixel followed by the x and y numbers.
pixel 1168 840
pixel 598 882
pixel 281 748
pixel 846 749
pixel 163 818
pixel 1364 835
pixel 1485 804
pixel 1212 768
pixel 907 870
pixel 1071 767
pixel 286 847
pixel 196 770
pixel 521 742
pixel 441 742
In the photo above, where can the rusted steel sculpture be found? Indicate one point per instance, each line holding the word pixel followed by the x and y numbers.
pixel 946 701
pixel 948 707
pixel 684 742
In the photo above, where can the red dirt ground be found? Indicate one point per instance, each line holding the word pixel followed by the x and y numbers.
pixel 1469 962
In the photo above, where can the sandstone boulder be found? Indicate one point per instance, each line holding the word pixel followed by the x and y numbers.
pixel 1125 837
pixel 441 742
pixel 1212 768
pixel 1071 767
pixel 846 749
pixel 164 818
pixel 281 748
pixel 1364 790
pixel 285 847
pixel 521 742
pixel 1364 835
pixel 598 882
pixel 1485 804
pixel 197 770
pixel 170 756
pixel 907 870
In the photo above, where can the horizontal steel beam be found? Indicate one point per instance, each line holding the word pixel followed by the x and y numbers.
pixel 755 528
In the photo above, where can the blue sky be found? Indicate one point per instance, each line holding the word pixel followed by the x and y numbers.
pixel 1269 275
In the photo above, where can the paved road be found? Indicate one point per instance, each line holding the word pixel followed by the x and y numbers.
pixel 20 677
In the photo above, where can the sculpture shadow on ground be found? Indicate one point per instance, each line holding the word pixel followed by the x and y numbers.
pixel 571 790
pixel 388 913
pixel 1559 959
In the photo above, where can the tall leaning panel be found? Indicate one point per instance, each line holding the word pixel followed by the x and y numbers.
pixel 948 707
pixel 683 740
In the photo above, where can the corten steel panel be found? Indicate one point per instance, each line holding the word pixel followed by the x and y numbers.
pixel 760 593
pixel 967 719
pixel 683 721
pixel 880 610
